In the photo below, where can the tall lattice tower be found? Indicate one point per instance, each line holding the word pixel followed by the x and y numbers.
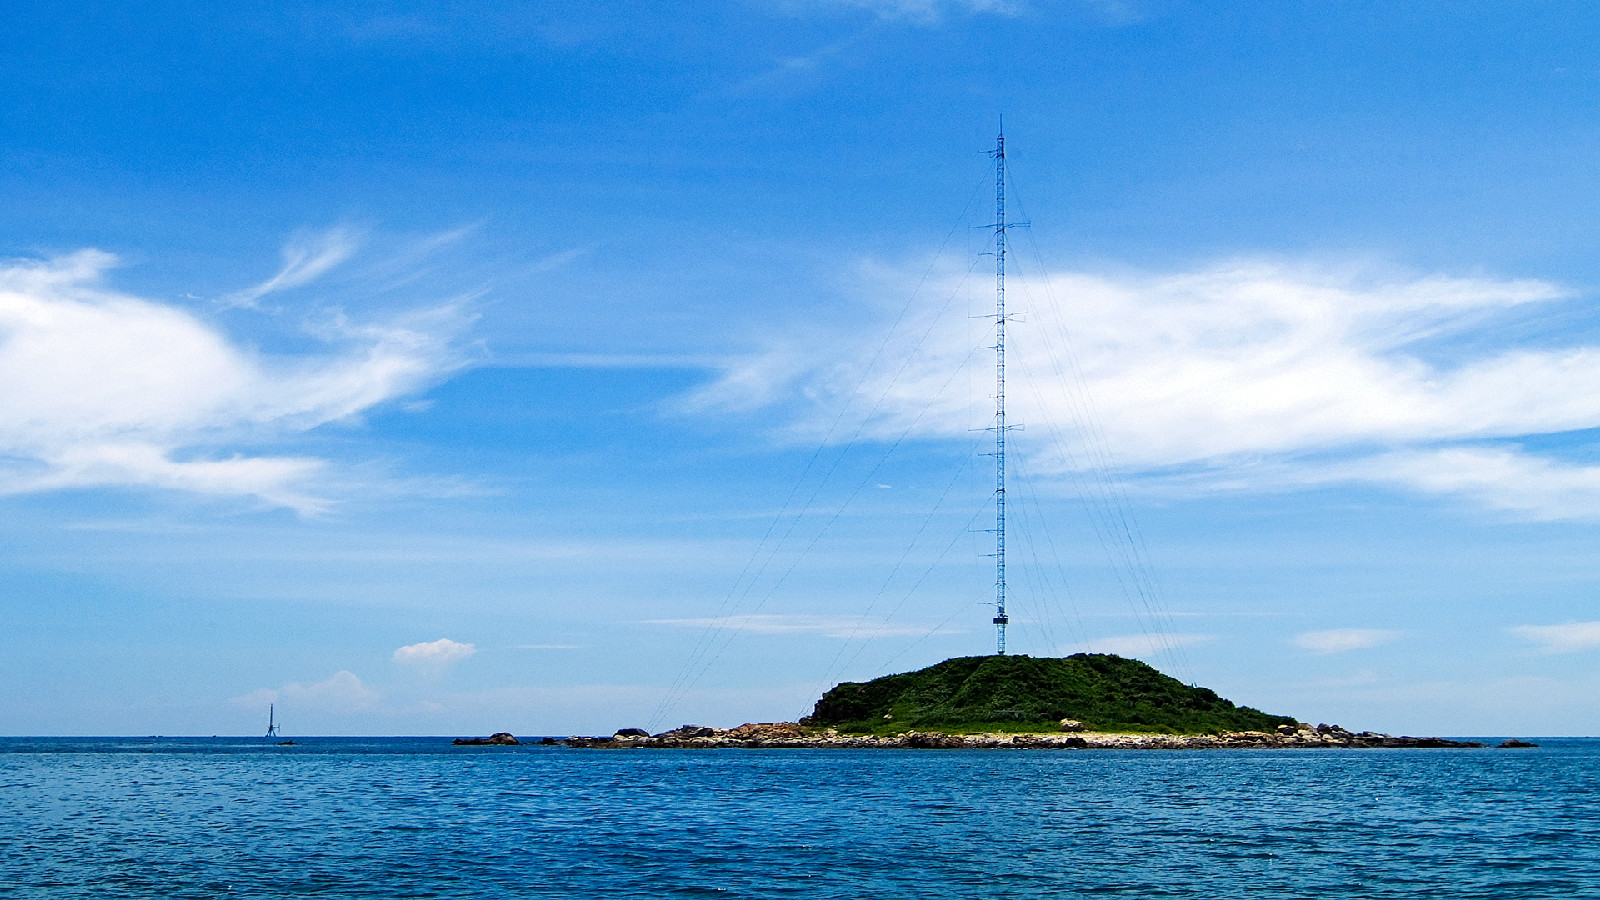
pixel 1000 426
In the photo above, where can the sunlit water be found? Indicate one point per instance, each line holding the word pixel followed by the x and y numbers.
pixel 410 817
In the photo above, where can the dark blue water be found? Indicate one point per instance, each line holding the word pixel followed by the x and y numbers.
pixel 417 818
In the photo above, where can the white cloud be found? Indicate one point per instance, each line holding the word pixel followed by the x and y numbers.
pixel 341 692
pixel 1568 638
pixel 827 626
pixel 1141 645
pixel 1497 477
pixel 1230 376
pixel 434 655
pixel 102 388
pixel 1340 640
pixel 305 258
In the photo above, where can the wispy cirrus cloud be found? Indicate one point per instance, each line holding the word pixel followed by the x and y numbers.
pixel 1244 375
pixel 1566 638
pixel 107 389
pixel 921 11
pixel 934 12
pixel 796 70
pixel 306 257
pixel 1342 640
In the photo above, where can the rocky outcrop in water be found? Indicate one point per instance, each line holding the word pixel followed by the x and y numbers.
pixel 791 734
pixel 498 739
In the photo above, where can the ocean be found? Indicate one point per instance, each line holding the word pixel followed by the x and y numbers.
pixel 415 817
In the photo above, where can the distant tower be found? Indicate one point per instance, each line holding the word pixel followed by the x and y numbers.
pixel 272 720
pixel 1000 427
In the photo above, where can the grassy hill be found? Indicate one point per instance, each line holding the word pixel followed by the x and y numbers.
pixel 1024 693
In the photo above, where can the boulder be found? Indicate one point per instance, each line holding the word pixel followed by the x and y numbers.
pixel 1071 725
pixel 684 732
pixel 631 733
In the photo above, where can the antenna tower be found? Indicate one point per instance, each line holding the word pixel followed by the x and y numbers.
pixel 272 720
pixel 1000 427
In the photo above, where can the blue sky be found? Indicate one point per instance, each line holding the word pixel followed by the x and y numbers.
pixel 547 367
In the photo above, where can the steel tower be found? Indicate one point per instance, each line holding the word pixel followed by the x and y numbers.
pixel 1000 426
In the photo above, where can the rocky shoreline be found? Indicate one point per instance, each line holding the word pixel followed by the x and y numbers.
pixel 794 735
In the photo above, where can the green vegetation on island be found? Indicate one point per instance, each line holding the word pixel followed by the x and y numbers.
pixel 1028 694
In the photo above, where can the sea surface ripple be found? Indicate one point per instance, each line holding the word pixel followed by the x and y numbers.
pixel 415 817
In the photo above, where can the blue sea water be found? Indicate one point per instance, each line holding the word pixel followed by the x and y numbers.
pixel 415 817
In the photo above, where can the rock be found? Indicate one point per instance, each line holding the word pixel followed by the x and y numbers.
pixel 1514 744
pixel 1435 742
pixel 933 740
pixel 685 732
pixel 793 735
pixel 631 733
pixel 766 731
pixel 1071 725
pixel 498 739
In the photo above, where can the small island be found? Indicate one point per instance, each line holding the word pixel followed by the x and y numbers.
pixel 1083 701
pixel 969 694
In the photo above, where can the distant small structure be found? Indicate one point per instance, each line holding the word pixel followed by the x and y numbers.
pixel 272 720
